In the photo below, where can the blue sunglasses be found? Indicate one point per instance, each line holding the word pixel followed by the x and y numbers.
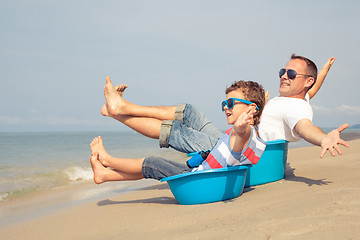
pixel 231 102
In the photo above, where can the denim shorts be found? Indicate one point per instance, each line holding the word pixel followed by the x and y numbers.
pixel 190 132
pixel 158 168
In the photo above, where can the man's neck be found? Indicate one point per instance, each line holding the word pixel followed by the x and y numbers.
pixel 299 96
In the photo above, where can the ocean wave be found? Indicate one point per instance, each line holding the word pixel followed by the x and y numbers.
pixel 15 183
pixel 77 173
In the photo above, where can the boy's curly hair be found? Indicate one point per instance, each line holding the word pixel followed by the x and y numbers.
pixel 253 92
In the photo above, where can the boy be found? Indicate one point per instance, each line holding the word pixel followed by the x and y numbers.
pixel 239 145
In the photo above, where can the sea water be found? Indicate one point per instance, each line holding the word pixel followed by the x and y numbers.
pixel 34 162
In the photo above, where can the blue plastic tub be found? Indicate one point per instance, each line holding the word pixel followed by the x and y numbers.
pixel 271 166
pixel 208 186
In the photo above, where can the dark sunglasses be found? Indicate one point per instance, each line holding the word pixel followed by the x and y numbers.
pixel 291 73
pixel 231 102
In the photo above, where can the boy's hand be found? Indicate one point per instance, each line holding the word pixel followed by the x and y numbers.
pixel 244 119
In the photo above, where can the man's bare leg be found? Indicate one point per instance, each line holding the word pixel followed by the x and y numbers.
pixel 116 105
pixel 149 125
pixel 120 89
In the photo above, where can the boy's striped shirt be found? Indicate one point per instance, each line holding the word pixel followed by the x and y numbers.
pixel 222 155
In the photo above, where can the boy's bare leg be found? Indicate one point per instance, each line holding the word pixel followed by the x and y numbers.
pixel 127 166
pixel 103 174
pixel 116 105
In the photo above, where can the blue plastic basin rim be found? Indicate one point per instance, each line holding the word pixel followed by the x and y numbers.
pixel 279 141
pixel 217 170
pixel 276 141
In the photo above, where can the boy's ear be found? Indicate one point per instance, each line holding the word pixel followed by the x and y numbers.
pixel 254 105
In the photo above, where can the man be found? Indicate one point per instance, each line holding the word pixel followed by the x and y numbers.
pixel 289 116
pixel 187 130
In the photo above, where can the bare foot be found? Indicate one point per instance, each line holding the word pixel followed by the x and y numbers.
pixel 120 89
pixel 114 102
pixel 97 168
pixel 97 146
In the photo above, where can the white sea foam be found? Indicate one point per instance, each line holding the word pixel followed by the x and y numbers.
pixel 77 173
pixel 3 196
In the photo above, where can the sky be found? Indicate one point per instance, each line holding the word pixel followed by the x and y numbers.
pixel 55 56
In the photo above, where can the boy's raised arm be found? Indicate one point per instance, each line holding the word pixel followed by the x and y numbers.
pixel 242 128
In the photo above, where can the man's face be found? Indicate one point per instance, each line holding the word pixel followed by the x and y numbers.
pixel 295 88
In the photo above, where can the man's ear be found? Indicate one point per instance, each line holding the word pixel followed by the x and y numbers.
pixel 309 81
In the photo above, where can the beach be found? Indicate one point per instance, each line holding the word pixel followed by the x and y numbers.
pixel 318 199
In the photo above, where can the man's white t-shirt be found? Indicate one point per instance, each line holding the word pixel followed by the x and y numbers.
pixel 280 116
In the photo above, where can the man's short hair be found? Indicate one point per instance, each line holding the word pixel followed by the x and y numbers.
pixel 311 67
pixel 252 92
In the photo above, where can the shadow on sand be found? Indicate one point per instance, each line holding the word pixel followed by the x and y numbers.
pixel 156 200
pixel 290 176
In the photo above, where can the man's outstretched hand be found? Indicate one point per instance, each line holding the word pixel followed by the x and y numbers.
pixel 332 140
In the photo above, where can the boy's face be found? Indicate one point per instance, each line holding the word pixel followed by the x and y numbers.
pixel 233 114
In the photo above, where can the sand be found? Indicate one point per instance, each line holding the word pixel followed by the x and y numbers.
pixel 318 199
